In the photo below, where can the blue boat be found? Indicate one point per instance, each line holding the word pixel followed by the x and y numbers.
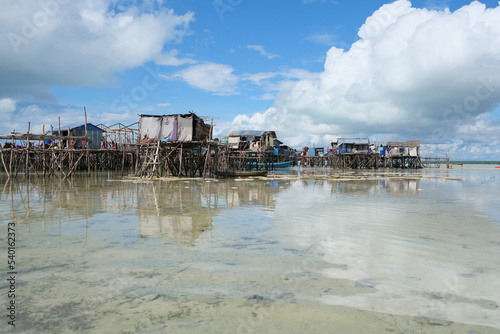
pixel 282 164
pixel 276 164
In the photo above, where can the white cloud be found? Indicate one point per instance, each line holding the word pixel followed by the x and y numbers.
pixel 211 77
pixel 260 78
pixel 323 39
pixel 260 49
pixel 170 59
pixel 221 129
pixel 481 130
pixel 108 118
pixel 274 82
pixel 38 116
pixel 414 73
pixel 50 115
pixel 7 107
pixel 302 130
pixel 70 43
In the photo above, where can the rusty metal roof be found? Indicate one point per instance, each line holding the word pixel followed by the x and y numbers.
pixel 353 141
pixel 411 143
pixel 252 133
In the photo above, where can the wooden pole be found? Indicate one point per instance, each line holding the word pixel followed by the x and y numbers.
pixel 137 157
pixel 207 157
pixel 11 152
pixel 69 145
pixel 87 141
pixel 123 159
pixel 60 148
pixel 75 165
pixel 211 128
pixel 4 165
pixel 180 162
pixel 43 148
pixel 27 150
pixel 215 161
pixel 155 159
pixel 59 134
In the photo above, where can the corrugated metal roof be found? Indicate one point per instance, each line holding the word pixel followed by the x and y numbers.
pixel 353 141
pixel 181 115
pixel 253 133
pixel 90 127
pixel 411 143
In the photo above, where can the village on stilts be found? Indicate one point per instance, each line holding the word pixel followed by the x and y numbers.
pixel 181 145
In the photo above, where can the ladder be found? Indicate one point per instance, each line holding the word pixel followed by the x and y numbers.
pixel 149 166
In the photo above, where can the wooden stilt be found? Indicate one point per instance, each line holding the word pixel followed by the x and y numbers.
pixel 4 165
pixel 26 171
pixel 87 142
pixel 180 162
pixel 43 149
pixel 11 154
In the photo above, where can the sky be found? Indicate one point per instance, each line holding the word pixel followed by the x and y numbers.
pixel 311 70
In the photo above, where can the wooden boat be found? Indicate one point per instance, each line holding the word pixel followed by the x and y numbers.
pixel 249 173
pixel 282 164
pixel 276 164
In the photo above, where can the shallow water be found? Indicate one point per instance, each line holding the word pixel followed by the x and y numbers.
pixel 345 252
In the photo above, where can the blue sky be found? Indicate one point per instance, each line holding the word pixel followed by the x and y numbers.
pixel 312 70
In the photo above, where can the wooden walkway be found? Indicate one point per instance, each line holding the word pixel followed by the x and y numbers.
pixel 347 160
pixel 64 162
pixel 188 159
pixel 181 159
pixel 196 159
pixel 360 161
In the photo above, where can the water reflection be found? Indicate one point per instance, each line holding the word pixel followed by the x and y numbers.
pixel 419 247
pixel 177 211
pixel 423 247
pixel 182 211
pixel 406 187
pixel 48 203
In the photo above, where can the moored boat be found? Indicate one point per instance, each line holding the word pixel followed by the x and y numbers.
pixel 284 164
pixel 249 173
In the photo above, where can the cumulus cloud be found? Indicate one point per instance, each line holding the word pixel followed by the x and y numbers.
pixel 70 43
pixel 481 130
pixel 211 77
pixel 413 74
pixel 275 82
pixel 15 116
pixel 38 115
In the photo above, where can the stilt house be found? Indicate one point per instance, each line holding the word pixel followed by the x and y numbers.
pixel 176 128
